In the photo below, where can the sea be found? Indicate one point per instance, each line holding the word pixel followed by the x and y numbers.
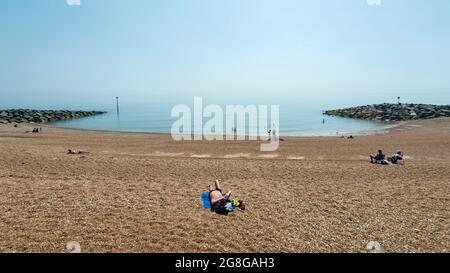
pixel 156 118
pixel 296 118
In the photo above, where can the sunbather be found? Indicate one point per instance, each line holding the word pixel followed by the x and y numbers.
pixel 76 152
pixel 217 195
pixel 221 202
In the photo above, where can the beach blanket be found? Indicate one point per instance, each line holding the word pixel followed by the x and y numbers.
pixel 206 200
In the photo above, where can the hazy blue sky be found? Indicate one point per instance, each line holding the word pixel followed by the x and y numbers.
pixel 147 50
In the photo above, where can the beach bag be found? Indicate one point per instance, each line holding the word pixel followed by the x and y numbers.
pixel 224 208
pixel 221 209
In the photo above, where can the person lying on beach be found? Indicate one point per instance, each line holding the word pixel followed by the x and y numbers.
pixel 217 195
pixel 380 158
pixel 397 159
pixel 76 152
pixel 223 203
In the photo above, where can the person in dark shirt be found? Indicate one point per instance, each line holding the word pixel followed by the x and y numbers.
pixel 397 158
pixel 377 159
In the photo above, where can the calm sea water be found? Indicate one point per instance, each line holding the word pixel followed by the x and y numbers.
pixel 297 117
pixel 294 121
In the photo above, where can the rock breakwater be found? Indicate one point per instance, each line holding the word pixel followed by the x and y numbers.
pixel 42 116
pixel 393 112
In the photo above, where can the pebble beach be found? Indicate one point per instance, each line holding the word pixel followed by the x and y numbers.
pixel 138 192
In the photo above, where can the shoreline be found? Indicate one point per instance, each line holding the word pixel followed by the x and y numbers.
pixel 383 130
pixel 380 127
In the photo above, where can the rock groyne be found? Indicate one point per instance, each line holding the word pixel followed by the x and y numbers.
pixel 42 116
pixel 393 112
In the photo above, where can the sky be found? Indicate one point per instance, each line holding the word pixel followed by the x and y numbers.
pixel 235 50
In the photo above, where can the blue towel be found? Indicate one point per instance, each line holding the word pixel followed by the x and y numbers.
pixel 206 200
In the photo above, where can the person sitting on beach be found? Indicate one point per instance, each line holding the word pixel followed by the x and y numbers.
pixel 222 202
pixel 397 158
pixel 378 159
pixel 79 152
pixel 35 130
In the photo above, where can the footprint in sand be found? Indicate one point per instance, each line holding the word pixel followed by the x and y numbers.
pixel 201 156
pixel 268 156
pixel 237 155
pixel 296 158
